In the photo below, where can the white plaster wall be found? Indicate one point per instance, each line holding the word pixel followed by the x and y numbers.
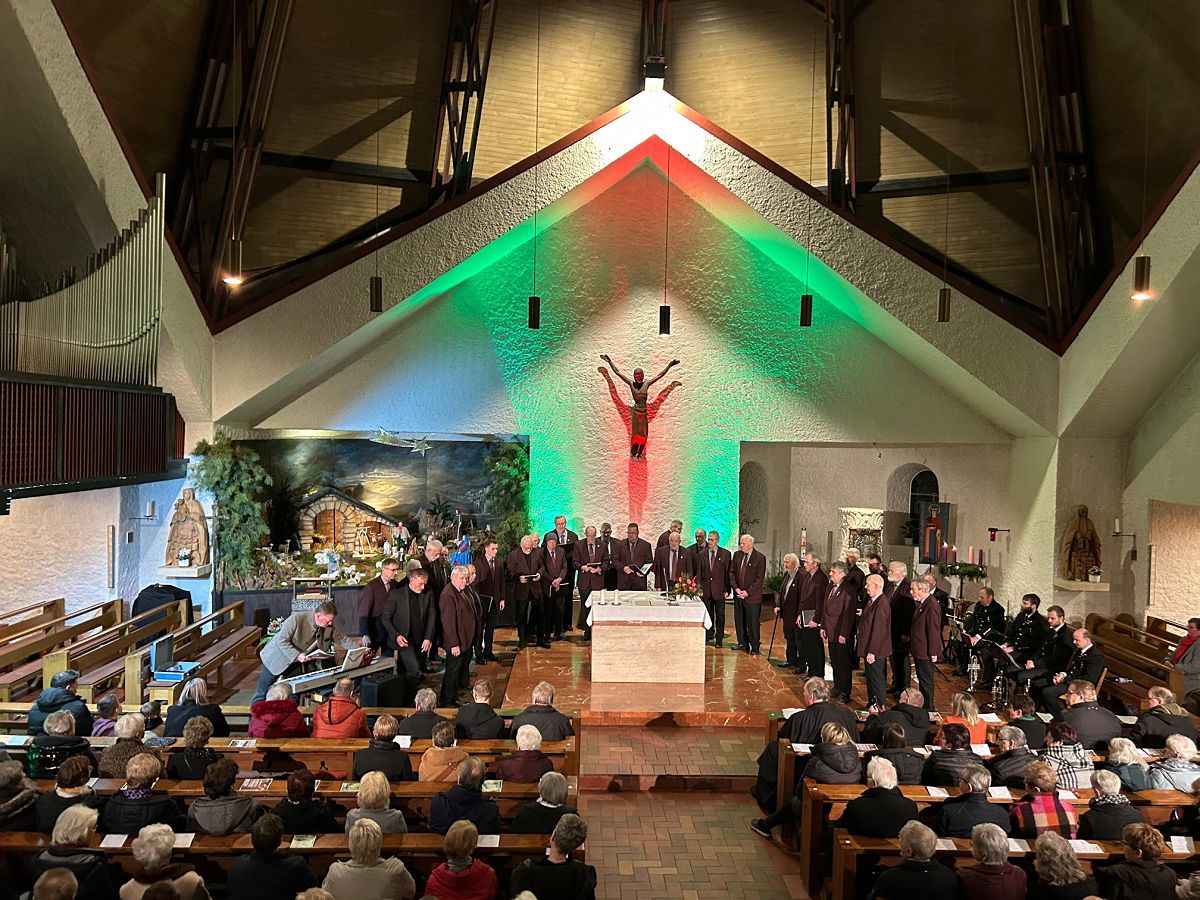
pixel 773 535
pixel 56 546
pixel 1175 533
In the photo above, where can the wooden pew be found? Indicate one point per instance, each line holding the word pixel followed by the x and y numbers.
pixel 210 641
pixel 110 657
pixel 854 857
pixel 1174 632
pixel 823 805
pixel 1135 654
pixel 21 654
pixel 19 620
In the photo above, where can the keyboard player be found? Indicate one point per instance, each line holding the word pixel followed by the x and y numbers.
pixel 301 635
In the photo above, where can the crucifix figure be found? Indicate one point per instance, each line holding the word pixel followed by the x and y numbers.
pixel 639 414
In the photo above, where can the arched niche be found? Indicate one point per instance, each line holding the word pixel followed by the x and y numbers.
pixel 752 500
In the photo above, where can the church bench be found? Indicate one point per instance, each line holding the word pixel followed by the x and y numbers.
pixel 823 804
pixel 19 620
pixel 22 652
pixel 1172 632
pixel 1135 654
pixel 105 661
pixel 210 641
pixel 212 856
pixel 854 859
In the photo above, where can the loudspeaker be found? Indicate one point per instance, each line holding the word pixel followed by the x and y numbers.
pixel 384 689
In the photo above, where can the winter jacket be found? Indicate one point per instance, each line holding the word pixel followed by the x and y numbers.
pixel 1094 725
pixel 48 751
pixel 457 803
pixel 476 882
pixel 440 764
pixel 546 880
pixel 1137 879
pixel 125 814
pixel 1173 774
pixel 1133 777
pixel 958 815
pixel 51 804
pixel 191 764
pixel 114 760
pixel 538 818
pixel 834 764
pixel 907 763
pixel 550 723
pixel 1154 726
pixel 387 757
pixel 340 717
pixel 913 719
pixel 276 719
pixel 269 876
pixel 478 722
pixel 1105 821
pixel 307 817
pixel 183 877
pixel 54 699
pixel 524 767
pixel 878 812
pixel 348 880
pixel 217 816
pixel 17 808
pixel 419 726
pixel 1072 764
pixel 96 877
pixel 927 879
pixel 390 821
pixel 804 726
pixel 944 766
pixel 1008 768
pixel 179 714
pixel 992 882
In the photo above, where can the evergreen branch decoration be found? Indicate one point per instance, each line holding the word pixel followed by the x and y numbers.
pixel 233 476
pixel 964 570
pixel 508 493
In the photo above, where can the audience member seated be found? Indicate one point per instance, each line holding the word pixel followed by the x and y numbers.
pixel 419 726
pixel 441 761
pixel 1189 887
pixel 804 726
pixel 300 811
pixel 945 764
pixel 1176 770
pixel 550 723
pixel 366 873
pixel 56 743
pixel 220 811
pixel 70 790
pixel 462 876
pixel 528 763
pixel 543 814
pixel 137 804
pixel 340 716
pixel 919 875
pixel 374 803
pixel 477 721
pixel 151 712
pixel 465 800
pixel 277 716
pixel 881 810
pixel 1163 717
pixel 17 799
pixel 834 759
pixel 1071 760
pixel 55 884
pixel 1094 725
pixel 909 713
pixel 383 754
pixel 1109 811
pixel 130 730
pixel 61 695
pixel 992 877
pixel 1131 768
pixel 965 711
pixel 1022 713
pixel 556 876
pixel 193 701
pixel 265 873
pixel 1140 876
pixel 1040 810
pixel 69 850
pixel 958 815
pixel 108 710
pixel 193 761
pixel 152 852
pixel 892 747
pixel 1059 874
pixel 1008 766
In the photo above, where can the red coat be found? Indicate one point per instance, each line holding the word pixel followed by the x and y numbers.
pixel 478 882
pixel 340 717
pixel 276 719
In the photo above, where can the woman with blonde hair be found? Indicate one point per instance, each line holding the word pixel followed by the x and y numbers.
pixel 1059 875
pixel 965 711
pixel 834 759
pixel 1128 764
pixel 366 873
pixel 462 876
pixel 193 701
pixel 69 850
pixel 374 803
pixel 1141 876
pixel 152 852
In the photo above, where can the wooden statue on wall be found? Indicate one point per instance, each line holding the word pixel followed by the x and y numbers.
pixel 1080 547
pixel 639 412
pixel 189 532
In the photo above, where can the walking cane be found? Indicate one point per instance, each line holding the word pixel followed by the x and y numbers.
pixel 772 646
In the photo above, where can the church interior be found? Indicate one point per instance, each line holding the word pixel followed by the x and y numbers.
pixel 372 322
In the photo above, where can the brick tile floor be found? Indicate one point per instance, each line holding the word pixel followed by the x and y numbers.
pixel 635 750
pixel 687 845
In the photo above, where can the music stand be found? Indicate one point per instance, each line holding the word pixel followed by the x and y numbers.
pixel 1002 660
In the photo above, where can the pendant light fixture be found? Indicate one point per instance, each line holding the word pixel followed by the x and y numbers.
pixel 376 282
pixel 806 299
pixel 1141 263
pixel 535 300
pixel 233 276
pixel 664 307
pixel 943 306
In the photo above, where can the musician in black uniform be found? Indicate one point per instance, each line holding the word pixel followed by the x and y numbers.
pixel 1057 647
pixel 985 622
pixel 1027 631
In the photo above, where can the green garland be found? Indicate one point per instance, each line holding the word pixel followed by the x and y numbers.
pixel 965 570
pixel 508 493
pixel 232 475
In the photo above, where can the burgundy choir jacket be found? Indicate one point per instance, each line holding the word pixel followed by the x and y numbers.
pixel 554 565
pixel 637 555
pixel 787 601
pixel 489 578
pixel 813 589
pixel 593 554
pixel 566 542
pixel 903 607
pixel 461 625
pixel 684 565
pixel 749 578
pixel 875 628
pixel 519 564
pixel 713 568
pixel 927 630
pixel 840 614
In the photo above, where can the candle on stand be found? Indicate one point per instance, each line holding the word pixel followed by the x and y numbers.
pixel 953 555
pixel 980 563
pixel 803 541
pixel 1116 526
pixel 971 553
pixel 945 552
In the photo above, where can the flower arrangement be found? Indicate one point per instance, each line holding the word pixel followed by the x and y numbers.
pixel 687 586
pixel 184 556
pixel 964 570
pixel 272 629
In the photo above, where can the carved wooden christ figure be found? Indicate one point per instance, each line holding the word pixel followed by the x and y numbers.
pixel 189 530
pixel 639 413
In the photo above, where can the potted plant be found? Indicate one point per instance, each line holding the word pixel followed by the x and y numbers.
pixel 1094 574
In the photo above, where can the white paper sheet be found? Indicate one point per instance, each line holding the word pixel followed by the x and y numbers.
pixel 938 792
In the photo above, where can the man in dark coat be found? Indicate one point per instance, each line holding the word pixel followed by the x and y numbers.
pixel 909 713
pixel 748 570
pixel 371 602
pixel 838 623
pixel 523 569
pixel 875 640
pixel 465 800
pixel 700 544
pixel 408 623
pixel 676 528
pixel 1094 725
pixel 918 874
pixel 1008 766
pixel 550 723
pixel 804 726
pixel 477 721
pixel 958 815
pixel 881 810
pixel 672 562
pixel 714 585
pixel 787 609
pixel 419 726
pixel 489 582
pixel 899 594
pixel 556 571
pixel 439 576
pixel 61 696
pixel 461 628
pixel 566 540
pixel 631 555
pixel 814 585
pixel 591 562
pixel 1163 717
pixel 925 634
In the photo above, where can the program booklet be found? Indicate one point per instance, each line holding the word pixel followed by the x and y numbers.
pixel 257 784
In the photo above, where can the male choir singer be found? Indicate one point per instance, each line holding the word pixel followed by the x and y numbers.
pixel 632 554
pixel 875 640
pixel 714 585
pixel 747 572
pixel 837 626
pixel 556 583
pixel 490 585
pixel 814 586
pixel 787 608
pixel 671 562
pixel 926 631
pixel 591 561
pixel 409 625
pixel 566 539
pixel 461 629
pixel 371 603
pixel 522 567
